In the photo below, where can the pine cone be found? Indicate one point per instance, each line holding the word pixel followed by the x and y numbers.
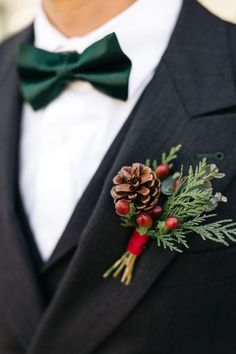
pixel 139 184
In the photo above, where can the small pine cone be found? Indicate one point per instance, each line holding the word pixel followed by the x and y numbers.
pixel 139 184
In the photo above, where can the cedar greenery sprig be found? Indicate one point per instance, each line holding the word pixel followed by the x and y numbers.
pixel 170 241
pixel 189 202
pixel 168 159
pixel 190 197
pixel 218 231
pixel 193 194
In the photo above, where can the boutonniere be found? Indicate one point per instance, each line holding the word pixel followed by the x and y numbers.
pixel 167 207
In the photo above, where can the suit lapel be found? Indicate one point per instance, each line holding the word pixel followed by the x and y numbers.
pixel 19 294
pixel 163 117
pixel 198 58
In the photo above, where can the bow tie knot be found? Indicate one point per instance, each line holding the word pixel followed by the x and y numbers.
pixel 65 71
pixel 44 75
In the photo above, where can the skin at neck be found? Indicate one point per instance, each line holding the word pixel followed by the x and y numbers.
pixel 79 17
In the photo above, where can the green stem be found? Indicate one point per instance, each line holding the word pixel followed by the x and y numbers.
pixel 115 265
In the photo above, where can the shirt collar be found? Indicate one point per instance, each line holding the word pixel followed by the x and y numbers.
pixel 143 31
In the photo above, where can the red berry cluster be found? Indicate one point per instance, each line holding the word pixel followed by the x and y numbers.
pixel 146 219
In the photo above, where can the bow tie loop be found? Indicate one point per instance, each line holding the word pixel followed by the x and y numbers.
pixel 44 75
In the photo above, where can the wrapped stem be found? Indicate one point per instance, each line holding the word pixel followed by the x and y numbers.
pixel 127 262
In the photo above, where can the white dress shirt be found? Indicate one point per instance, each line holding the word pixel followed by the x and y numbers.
pixel 78 127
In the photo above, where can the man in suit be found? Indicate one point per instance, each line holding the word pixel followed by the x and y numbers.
pixel 58 154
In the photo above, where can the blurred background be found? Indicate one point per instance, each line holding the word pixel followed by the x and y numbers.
pixel 16 14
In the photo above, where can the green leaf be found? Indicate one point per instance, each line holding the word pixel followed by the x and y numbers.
pixel 212 171
pixel 220 175
pixel 167 186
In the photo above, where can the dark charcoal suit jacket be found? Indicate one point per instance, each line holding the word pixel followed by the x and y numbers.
pixel 176 304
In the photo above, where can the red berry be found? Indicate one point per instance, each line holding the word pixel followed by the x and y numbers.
pixel 122 207
pixel 176 183
pixel 144 220
pixel 162 171
pixel 172 223
pixel 156 212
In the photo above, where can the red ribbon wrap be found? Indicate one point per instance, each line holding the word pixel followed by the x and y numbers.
pixel 136 243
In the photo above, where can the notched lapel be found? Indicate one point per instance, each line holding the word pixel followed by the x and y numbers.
pixel 199 60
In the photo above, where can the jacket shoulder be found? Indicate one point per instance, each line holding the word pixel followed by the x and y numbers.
pixel 231 34
pixel 231 31
pixel 9 47
pixel 24 35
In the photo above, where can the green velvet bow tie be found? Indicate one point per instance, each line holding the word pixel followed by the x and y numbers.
pixel 44 75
